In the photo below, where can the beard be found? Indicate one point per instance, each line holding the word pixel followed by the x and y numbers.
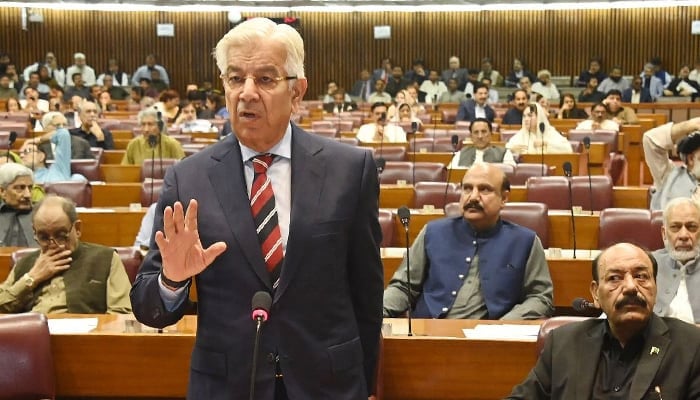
pixel 615 78
pixel 682 255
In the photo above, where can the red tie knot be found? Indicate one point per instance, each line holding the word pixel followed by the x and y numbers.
pixel 262 162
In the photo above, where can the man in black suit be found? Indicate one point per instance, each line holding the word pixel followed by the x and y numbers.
pixel 339 104
pixel 633 354
pixel 313 244
pixel 636 93
pixel 477 107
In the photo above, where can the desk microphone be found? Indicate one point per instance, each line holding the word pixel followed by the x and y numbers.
pixel 381 164
pixel 414 128
pixel 582 305
pixel 10 142
pixel 405 217
pixel 152 141
pixel 261 307
pixel 382 121
pixel 567 173
pixel 587 145
pixel 455 143
pixel 542 146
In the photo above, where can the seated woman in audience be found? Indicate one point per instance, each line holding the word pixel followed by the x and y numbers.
pixel 537 135
pixel 169 105
pixel 136 93
pixel 104 102
pixel 542 101
pixel 215 107
pixel 400 98
pixel 153 142
pixel 12 105
pixel 568 108
pixel 405 114
pixel 412 99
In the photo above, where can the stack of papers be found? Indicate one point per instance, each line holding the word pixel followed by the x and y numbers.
pixel 65 326
pixel 527 333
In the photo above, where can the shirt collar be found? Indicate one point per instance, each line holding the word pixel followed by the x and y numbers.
pixel 283 148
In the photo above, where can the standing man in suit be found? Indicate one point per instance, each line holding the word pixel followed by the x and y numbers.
pixel 477 107
pixel 320 240
pixel 633 354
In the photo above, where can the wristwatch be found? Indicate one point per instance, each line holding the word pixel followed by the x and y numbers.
pixel 28 280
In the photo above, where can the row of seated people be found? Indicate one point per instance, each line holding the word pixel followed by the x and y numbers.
pixel 638 226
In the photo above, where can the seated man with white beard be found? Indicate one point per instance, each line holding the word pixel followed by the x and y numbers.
pixel 671 180
pixel 678 279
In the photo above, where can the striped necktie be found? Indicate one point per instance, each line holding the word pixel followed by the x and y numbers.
pixel 262 204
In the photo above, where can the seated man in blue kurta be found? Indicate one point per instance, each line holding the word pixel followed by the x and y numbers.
pixel 475 266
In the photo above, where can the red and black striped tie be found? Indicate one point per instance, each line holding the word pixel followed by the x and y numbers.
pixel 262 204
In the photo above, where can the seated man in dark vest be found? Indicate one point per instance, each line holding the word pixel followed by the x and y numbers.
pixel 481 149
pixel 16 183
pixel 65 275
pixel 475 266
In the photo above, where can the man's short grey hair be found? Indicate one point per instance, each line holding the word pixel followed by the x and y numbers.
pixel 677 202
pixel 152 112
pixel 47 119
pixel 86 101
pixel 9 173
pixel 253 30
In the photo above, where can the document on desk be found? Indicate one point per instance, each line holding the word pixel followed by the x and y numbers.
pixel 525 333
pixel 93 210
pixel 64 326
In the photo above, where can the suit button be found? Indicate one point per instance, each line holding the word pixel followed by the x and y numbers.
pixel 474 242
pixel 454 293
pixel 616 388
pixel 461 276
pixel 445 309
pixel 469 259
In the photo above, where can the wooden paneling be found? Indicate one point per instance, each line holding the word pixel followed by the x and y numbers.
pixel 338 45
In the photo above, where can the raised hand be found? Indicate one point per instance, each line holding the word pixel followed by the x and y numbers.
pixel 179 244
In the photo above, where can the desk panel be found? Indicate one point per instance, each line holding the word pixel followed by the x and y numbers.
pixel 112 228
pixel 556 160
pixel 116 194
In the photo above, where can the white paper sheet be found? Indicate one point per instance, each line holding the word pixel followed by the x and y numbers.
pixel 64 326
pixel 503 332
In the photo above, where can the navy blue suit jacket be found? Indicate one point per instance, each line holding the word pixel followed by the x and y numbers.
pixel 467 111
pixel 327 310
pixel 645 96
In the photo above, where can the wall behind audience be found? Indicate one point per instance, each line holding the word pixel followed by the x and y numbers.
pixel 340 44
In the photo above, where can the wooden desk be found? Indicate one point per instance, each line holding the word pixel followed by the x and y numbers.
pixel 115 194
pixel 438 363
pixel 395 196
pixel 110 227
pixel 556 160
pixel 442 158
pixel 112 156
pixel 120 173
pixel 570 277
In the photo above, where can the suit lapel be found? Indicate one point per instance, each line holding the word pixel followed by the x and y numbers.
pixel 653 353
pixel 588 354
pixel 307 185
pixel 227 179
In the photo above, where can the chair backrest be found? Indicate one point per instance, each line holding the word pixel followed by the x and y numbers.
pixel 423 144
pixel 19 127
pixel 150 191
pixel 78 191
pixel 97 153
pixel 602 136
pixel 19 254
pixel 530 215
pixel 657 222
pixel 327 132
pixel 391 153
pixel 386 221
pixel 348 140
pixel 88 168
pixel 26 365
pixel 156 167
pixel 524 171
pixel 550 190
pixel 444 144
pixel 600 185
pixel 631 225
pixel 449 116
pixel 132 259
pixel 435 193
pixel 551 324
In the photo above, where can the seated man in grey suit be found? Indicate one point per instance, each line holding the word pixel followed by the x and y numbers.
pixel 477 107
pixel 633 354
pixel 679 276
pixel 481 149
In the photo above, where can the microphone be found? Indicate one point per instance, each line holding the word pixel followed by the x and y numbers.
pixel 261 307
pixel 414 128
pixel 587 145
pixel 381 164
pixel 57 106
pixel 542 146
pixel 161 124
pixel 381 121
pixel 455 143
pixel 405 218
pixel 10 142
pixel 582 305
pixel 152 141
pixel 567 173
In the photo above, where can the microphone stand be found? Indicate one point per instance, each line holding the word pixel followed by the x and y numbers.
pixel 455 143
pixel 542 146
pixel 587 145
pixel 567 172
pixel 258 325
pixel 414 128
pixel 405 216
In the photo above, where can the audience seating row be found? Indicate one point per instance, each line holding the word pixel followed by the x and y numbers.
pixel 81 192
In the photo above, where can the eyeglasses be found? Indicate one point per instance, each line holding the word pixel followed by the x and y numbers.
pixel 59 239
pixel 28 150
pixel 264 82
